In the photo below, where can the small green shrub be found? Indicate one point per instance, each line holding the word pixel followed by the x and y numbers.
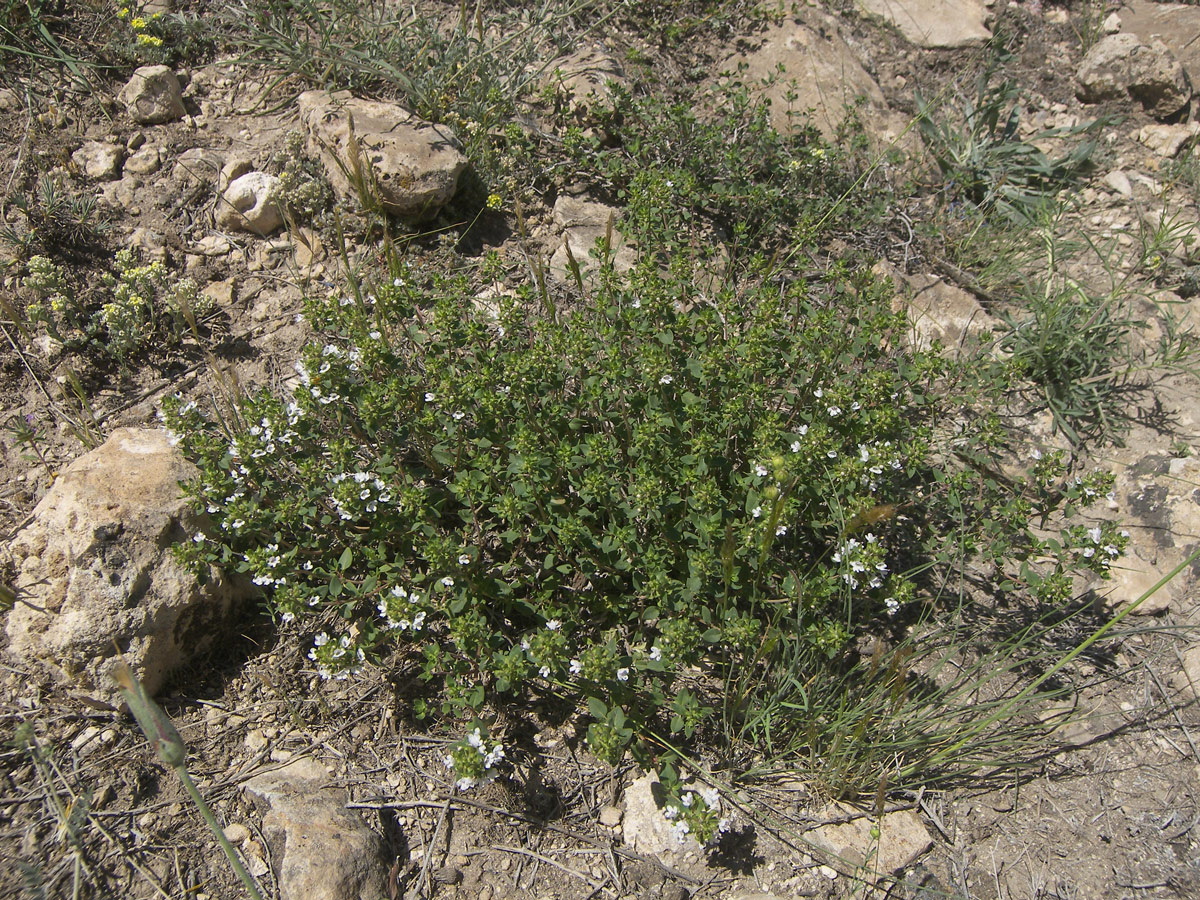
pixel 621 502
pixel 138 304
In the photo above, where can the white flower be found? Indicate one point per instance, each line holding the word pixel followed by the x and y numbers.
pixel 1035 454
pixel 835 411
pixel 756 512
pixel 760 470
pixel 464 560
pixel 666 379
pixel 1095 534
pixel 448 581
pixel 636 304
pixel 576 667
pixel 553 625
pixel 457 416
pixel 623 674
pixel 544 671
pixel 374 335
pixel 818 393
pixel 656 653
pixel 430 396
pixel 780 530
pixel 893 605
pixel 795 446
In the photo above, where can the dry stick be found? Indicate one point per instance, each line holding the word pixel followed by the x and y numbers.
pixel 429 848
pixel 1175 713
pixel 598 885
pixel 548 826
pixel 1096 635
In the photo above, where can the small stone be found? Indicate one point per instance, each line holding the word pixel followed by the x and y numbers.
pixel 610 816
pixel 250 204
pixel 99 161
pixel 153 96
pixel 220 292
pixel 1112 24
pixel 1119 182
pixel 448 875
pixel 236 833
pixel 145 162
pixel 255 741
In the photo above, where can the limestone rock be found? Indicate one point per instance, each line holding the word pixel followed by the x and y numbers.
pixel 144 162
pixel 411 166
pixel 250 204
pixel 935 23
pixel 824 74
pixel 95 569
pixel 1133 576
pixel 198 166
pixel 1120 65
pixel 902 838
pixel 153 96
pixel 1168 140
pixel 1174 24
pixel 100 161
pixel 646 829
pixel 942 312
pixel 583 222
pixel 320 850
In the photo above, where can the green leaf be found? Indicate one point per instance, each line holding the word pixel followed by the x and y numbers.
pixel 597 708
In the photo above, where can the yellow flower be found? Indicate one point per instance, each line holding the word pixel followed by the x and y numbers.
pixel 138 24
pixel 123 12
pixel 150 39
pixel 494 201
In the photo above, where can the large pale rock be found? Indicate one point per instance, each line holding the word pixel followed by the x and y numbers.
pixel 821 74
pixel 1120 65
pixel 250 203
pixel 582 223
pixel 411 166
pixel 1175 24
pixel 1133 577
pixel 935 23
pixel 941 312
pixel 153 96
pixel 646 829
pixel 902 838
pixel 96 574
pixel 1168 140
pixel 320 850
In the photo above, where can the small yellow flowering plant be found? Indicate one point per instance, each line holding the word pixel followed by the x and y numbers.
pixel 148 31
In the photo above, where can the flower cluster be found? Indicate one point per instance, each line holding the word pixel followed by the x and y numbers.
pixel 336 658
pixel 473 762
pixel 696 813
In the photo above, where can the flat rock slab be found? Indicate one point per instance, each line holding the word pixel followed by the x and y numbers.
pixel 410 166
pixel 320 850
pixel 1175 24
pixel 901 839
pixel 822 74
pixel 935 23
pixel 96 573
